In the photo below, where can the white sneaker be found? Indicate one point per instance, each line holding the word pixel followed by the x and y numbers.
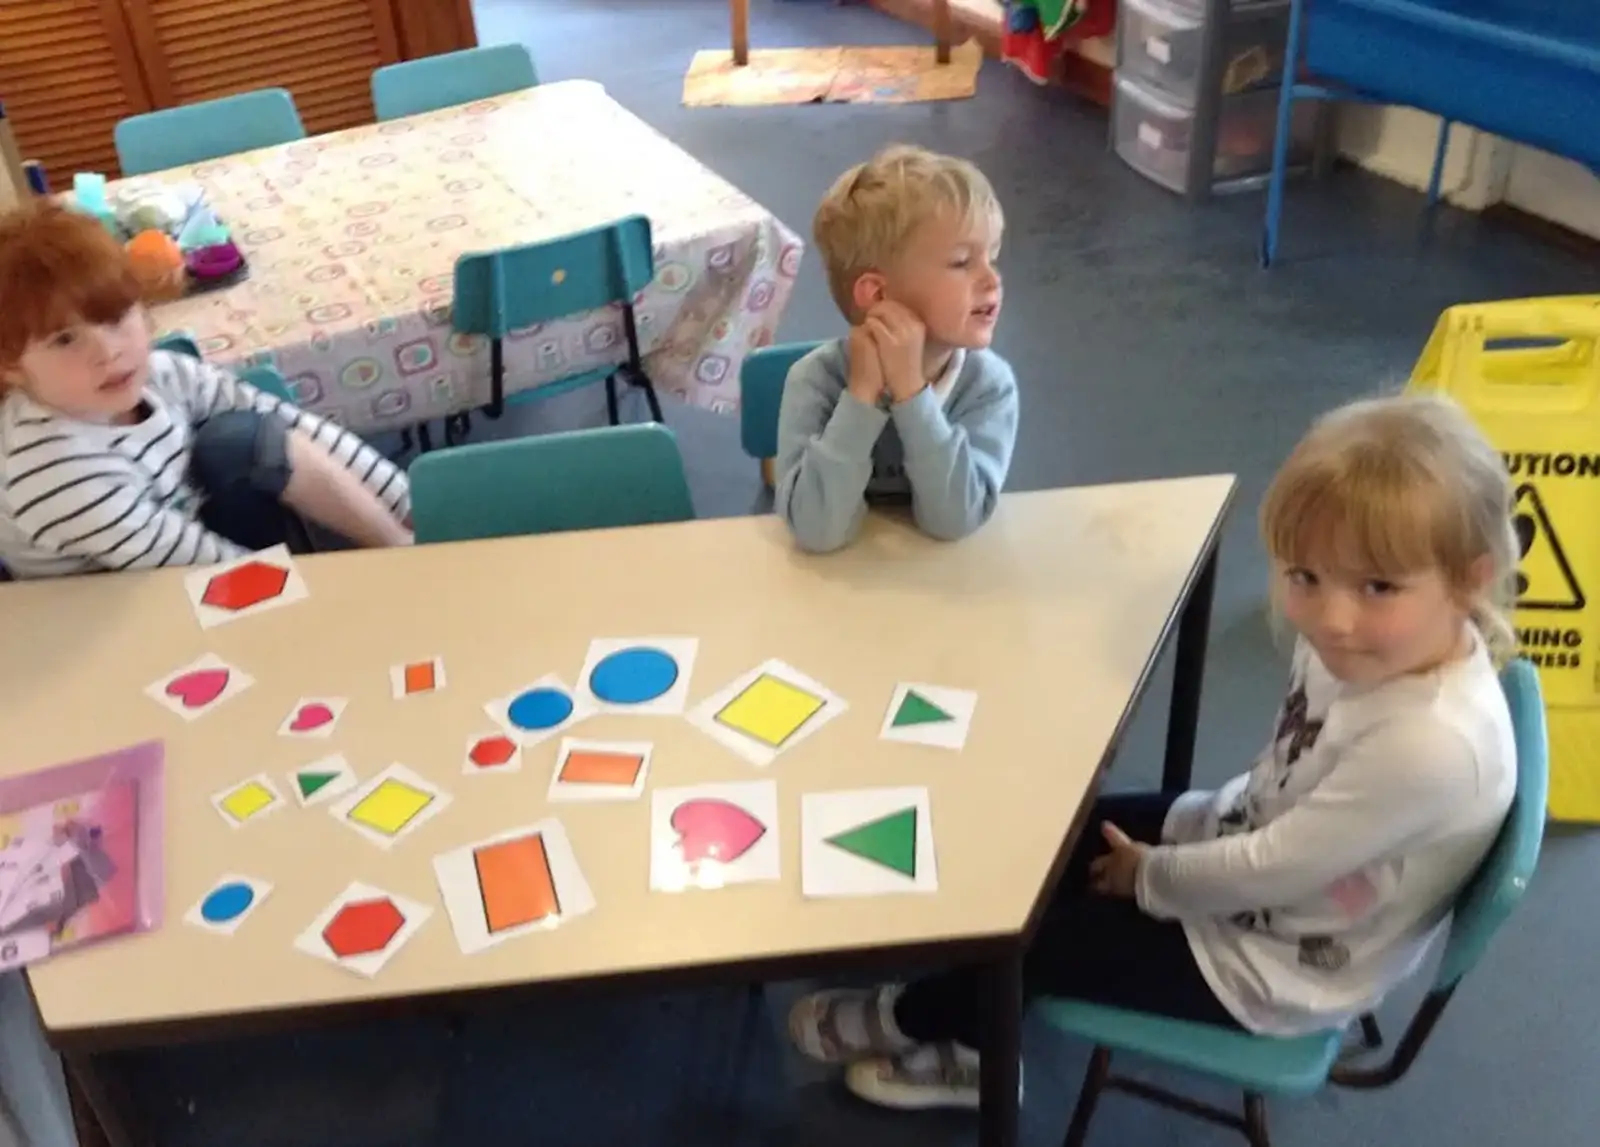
pixel 933 1075
pixel 845 1025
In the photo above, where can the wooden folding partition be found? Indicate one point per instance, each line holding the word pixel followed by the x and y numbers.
pixel 70 69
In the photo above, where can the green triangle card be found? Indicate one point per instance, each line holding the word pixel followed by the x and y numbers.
pixel 936 715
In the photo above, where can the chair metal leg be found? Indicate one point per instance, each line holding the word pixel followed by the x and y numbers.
pixel 1280 141
pixel 457 427
pixel 1436 177
pixel 1094 1082
pixel 1371 1037
pixel 650 397
pixel 611 399
pixel 1255 1120
pixel 497 379
pixel 424 437
pixel 635 367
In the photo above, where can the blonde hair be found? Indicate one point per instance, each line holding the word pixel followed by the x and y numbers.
pixel 1396 486
pixel 870 213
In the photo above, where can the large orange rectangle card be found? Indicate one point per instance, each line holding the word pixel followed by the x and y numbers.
pixel 515 882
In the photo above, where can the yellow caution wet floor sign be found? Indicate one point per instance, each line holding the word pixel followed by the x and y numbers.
pixel 1529 372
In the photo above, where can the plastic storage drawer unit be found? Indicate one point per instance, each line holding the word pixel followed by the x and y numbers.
pixel 1162 45
pixel 1159 137
pixel 1153 133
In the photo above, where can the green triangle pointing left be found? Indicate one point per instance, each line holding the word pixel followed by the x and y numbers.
pixel 915 709
pixel 311 782
pixel 890 841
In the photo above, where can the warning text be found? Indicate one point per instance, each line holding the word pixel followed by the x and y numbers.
pixel 1551 648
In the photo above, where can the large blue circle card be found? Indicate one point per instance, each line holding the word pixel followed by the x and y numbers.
pixel 639 674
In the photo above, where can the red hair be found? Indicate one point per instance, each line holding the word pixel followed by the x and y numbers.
pixel 58 267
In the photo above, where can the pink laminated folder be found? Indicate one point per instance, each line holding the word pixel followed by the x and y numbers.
pixel 80 853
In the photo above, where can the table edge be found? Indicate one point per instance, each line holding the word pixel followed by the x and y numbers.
pixel 1209 550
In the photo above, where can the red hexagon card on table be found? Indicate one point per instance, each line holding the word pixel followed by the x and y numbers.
pixel 246 586
pixel 363 928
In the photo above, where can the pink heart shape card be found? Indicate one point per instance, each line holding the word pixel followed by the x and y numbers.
pixel 199 687
pixel 709 836
pixel 313 717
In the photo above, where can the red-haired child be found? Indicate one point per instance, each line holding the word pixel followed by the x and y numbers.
pixel 115 456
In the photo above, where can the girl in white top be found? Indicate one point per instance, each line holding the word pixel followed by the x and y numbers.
pixel 1293 898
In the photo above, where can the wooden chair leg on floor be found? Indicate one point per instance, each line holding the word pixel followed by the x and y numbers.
pixel 768 473
pixel 1094 1082
pixel 739 16
pixel 941 30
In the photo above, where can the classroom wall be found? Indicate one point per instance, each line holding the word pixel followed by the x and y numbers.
pixel 1398 143
pixel 1480 170
pixel 1556 189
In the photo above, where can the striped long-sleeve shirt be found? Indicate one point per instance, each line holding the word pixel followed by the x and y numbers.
pixel 80 496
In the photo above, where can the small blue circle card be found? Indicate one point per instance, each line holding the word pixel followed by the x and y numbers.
pixel 539 710
pixel 227 904
pixel 638 674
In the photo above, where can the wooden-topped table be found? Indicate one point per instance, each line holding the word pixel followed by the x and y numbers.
pixel 1054 614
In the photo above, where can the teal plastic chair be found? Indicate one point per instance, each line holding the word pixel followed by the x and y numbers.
pixel 761 380
pixel 178 343
pixel 1264 1065
pixel 193 133
pixel 499 292
pixel 579 480
pixel 432 82
pixel 265 378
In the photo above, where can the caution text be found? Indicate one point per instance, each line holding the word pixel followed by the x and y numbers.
pixel 1524 464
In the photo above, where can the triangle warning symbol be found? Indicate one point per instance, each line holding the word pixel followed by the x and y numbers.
pixel 311 782
pixel 916 709
pixel 1545 579
pixel 890 841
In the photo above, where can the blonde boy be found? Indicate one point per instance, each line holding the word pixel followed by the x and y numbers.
pixel 911 404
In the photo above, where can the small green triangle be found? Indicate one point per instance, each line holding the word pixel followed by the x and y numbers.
pixel 915 709
pixel 311 782
pixel 890 841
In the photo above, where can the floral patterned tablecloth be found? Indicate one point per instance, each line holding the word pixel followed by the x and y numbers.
pixel 352 240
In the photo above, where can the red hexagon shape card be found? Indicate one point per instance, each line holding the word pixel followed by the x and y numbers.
pixel 256 583
pixel 363 928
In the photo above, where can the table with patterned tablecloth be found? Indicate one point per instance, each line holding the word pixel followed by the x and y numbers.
pixel 352 240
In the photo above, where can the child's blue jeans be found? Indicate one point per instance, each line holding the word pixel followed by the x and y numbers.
pixel 239 461
pixel 1101 949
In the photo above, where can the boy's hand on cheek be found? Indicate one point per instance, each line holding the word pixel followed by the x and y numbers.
pixel 866 371
pixel 899 335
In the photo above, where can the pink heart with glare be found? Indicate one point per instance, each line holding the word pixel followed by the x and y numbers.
pixel 716 830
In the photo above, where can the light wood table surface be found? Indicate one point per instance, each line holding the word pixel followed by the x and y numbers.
pixel 1054 614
